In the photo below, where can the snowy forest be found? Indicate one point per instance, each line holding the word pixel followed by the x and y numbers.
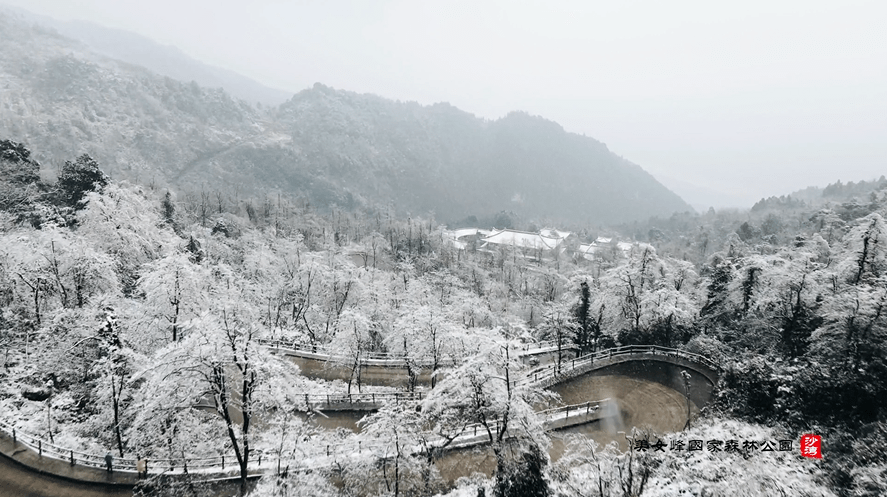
pixel 133 319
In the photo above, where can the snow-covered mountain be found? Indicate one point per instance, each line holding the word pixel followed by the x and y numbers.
pixel 330 147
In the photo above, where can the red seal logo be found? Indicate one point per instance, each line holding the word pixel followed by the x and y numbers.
pixel 811 446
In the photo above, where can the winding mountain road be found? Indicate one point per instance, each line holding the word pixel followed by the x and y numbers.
pixel 645 382
pixel 19 481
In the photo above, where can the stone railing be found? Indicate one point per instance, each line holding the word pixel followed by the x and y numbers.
pixel 388 359
pixel 554 373
pixel 349 401
pixel 554 419
pixel 308 456
pixel 74 458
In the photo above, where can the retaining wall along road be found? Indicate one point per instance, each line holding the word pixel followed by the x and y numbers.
pixel 389 370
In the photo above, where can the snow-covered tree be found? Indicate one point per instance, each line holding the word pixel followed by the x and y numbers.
pixel 219 359
pixel 406 449
pixel 176 290
pixel 487 391
pixel 79 178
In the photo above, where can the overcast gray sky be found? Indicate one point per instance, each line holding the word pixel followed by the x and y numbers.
pixel 724 102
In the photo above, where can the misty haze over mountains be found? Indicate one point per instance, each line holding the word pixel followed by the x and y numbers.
pixel 331 147
pixel 161 59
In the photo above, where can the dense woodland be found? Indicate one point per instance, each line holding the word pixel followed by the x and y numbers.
pixel 122 306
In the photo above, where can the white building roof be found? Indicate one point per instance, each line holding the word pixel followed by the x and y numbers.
pixel 588 250
pixel 459 233
pixel 453 237
pixel 522 239
pixel 553 233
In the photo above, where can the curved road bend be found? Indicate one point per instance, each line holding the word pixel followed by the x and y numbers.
pixel 643 404
pixel 18 481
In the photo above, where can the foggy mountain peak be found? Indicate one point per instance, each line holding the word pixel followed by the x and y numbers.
pixel 165 60
pixel 332 147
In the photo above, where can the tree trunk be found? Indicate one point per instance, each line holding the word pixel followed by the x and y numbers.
pixel 58 277
pixel 396 466
pixel 36 289
pixel 115 400
pixel 49 417
pixel 176 302
pixel 222 408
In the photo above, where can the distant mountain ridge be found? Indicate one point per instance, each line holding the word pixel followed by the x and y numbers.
pixel 847 197
pixel 162 59
pixel 332 147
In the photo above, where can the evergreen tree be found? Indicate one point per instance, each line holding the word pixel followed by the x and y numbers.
pixel 16 165
pixel 169 209
pixel 717 308
pixel 17 175
pixel 523 476
pixel 583 335
pixel 79 178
